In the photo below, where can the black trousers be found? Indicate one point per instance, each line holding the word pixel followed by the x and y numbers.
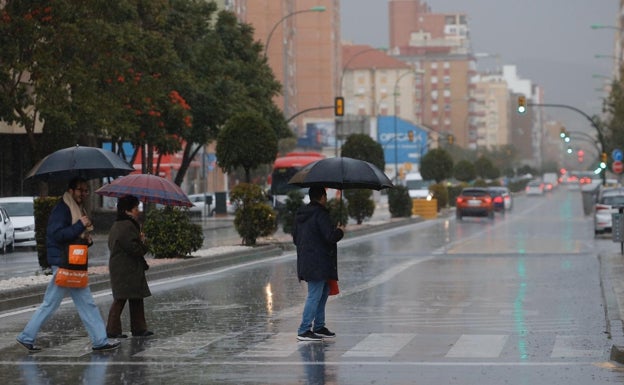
pixel 137 316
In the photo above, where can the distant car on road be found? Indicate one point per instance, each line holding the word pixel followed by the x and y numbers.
pixel 7 233
pixel 535 187
pixel 501 198
pixel 474 202
pixel 608 202
pixel 22 213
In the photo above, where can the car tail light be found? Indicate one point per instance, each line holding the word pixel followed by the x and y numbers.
pixel 487 200
pixel 599 207
pixel 498 200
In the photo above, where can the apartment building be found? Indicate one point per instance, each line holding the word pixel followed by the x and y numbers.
pixel 439 45
pixel 302 42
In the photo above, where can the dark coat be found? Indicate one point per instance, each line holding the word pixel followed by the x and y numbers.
pixel 60 233
pixel 127 264
pixel 316 238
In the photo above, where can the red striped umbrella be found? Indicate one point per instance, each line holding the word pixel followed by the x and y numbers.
pixel 148 188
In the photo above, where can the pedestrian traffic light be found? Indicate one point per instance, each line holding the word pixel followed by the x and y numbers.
pixel 339 106
pixel 410 135
pixel 451 139
pixel 522 106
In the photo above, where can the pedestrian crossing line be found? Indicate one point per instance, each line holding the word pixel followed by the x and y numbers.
pixel 280 345
pixel 380 345
pixel 478 346
pixel 185 345
pixel 73 349
pixel 577 346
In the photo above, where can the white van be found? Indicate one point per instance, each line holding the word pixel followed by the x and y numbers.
pixel 417 187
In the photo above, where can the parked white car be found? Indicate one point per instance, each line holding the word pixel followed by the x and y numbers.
pixel 22 213
pixel 609 201
pixel 7 233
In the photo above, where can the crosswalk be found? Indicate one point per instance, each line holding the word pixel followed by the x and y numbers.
pixel 367 346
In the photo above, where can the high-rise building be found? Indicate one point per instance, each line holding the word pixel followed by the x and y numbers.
pixel 302 42
pixel 439 45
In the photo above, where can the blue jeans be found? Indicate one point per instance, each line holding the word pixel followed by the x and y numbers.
pixel 83 300
pixel 314 308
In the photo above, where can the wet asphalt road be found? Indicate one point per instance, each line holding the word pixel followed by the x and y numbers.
pixel 517 300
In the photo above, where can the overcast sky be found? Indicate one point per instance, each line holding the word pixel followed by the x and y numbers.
pixel 550 42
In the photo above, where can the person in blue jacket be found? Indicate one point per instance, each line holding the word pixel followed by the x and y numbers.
pixel 68 224
pixel 316 238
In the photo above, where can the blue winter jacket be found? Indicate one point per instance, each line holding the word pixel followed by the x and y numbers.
pixel 60 233
pixel 316 237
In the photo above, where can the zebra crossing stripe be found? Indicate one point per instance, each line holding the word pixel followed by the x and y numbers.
pixel 478 346
pixel 279 345
pixel 184 345
pixel 380 345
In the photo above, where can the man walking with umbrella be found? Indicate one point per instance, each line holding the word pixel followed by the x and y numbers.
pixel 68 224
pixel 316 238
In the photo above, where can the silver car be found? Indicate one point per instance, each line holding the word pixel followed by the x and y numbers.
pixel 22 213
pixel 7 234
pixel 608 202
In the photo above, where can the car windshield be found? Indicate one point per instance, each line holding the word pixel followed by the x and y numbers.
pixel 417 184
pixel 476 193
pixel 19 209
pixel 616 200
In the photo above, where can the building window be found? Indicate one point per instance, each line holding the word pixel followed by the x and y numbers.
pixel 434 80
pixel 434 65
pixel 447 64
pixel 447 79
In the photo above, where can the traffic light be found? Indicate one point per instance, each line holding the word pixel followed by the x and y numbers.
pixel 603 157
pixel 563 133
pixel 339 106
pixel 451 139
pixel 522 106
pixel 410 135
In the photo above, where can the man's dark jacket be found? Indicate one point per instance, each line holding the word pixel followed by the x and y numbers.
pixel 60 233
pixel 316 236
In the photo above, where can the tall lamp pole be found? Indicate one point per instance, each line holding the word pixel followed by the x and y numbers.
pixel 396 155
pixel 284 54
pixel 318 8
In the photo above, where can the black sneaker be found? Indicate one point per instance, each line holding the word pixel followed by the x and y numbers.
pixel 324 333
pixel 109 335
pixel 30 347
pixel 112 345
pixel 144 333
pixel 309 336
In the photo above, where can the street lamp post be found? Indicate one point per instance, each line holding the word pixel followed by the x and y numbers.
pixel 284 54
pixel 318 8
pixel 339 121
pixel 396 147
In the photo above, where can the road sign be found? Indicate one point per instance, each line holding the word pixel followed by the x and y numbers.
pixel 617 167
pixel 617 154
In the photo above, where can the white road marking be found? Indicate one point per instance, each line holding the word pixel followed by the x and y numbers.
pixel 478 346
pixel 379 345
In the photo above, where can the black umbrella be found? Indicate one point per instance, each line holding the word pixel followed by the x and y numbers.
pixel 341 173
pixel 79 161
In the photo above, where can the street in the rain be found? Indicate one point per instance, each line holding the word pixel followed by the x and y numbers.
pixel 520 299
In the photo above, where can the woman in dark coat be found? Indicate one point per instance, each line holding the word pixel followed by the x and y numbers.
pixel 127 267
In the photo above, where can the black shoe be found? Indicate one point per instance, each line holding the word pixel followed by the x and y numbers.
pixel 30 347
pixel 309 336
pixel 112 345
pixel 109 335
pixel 144 333
pixel 324 333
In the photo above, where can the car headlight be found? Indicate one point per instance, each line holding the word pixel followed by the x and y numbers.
pixel 29 228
